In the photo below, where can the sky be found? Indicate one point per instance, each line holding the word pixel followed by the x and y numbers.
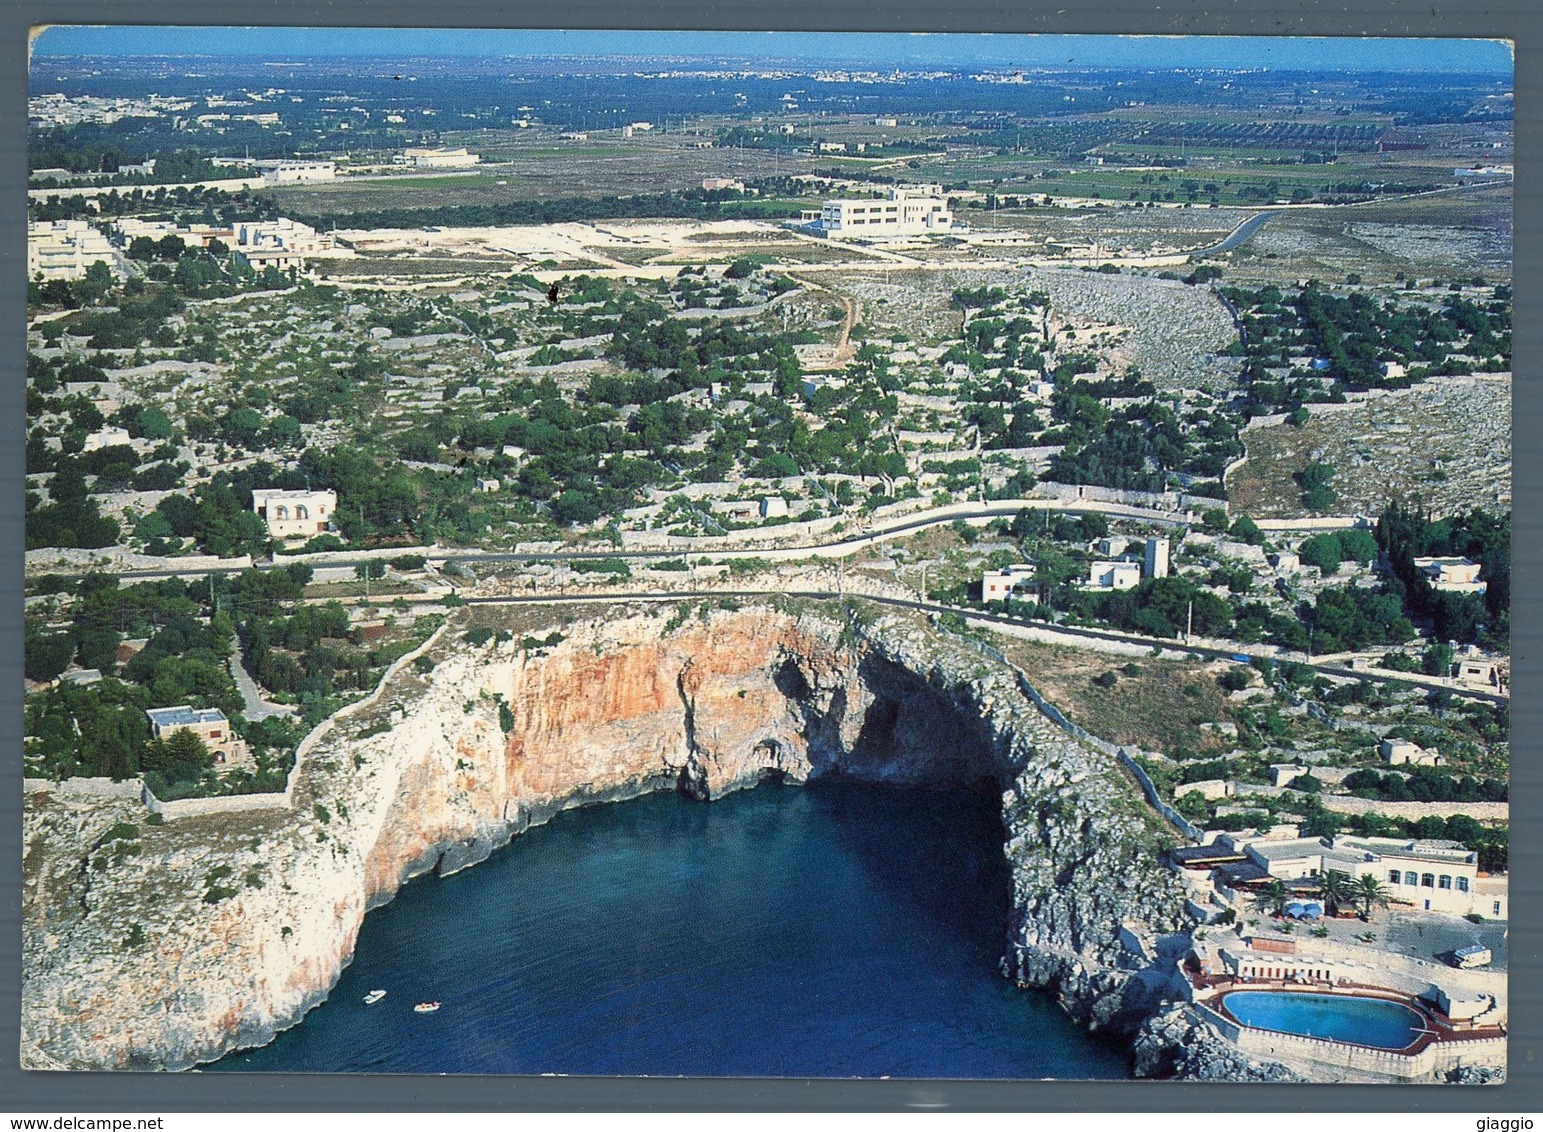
pixel 881 50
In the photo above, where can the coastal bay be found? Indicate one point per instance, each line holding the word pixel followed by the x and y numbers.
pixel 837 929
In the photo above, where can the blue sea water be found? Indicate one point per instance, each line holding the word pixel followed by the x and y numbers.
pixel 837 929
pixel 1363 1021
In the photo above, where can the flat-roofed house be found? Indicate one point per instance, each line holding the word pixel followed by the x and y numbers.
pixel 999 585
pixel 209 724
pixel 293 513
pixel 1452 575
pixel 1399 752
pixel 1113 575
pixel 1429 875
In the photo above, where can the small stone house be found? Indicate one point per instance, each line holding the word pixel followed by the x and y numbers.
pixel 209 724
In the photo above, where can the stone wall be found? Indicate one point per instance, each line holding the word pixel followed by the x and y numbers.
pixel 1433 1061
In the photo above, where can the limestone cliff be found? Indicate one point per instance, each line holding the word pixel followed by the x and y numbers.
pixel 162 946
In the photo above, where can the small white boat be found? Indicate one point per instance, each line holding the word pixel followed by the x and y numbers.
pixel 373 997
pixel 426 1008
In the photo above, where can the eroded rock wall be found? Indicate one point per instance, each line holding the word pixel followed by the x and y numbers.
pixel 211 933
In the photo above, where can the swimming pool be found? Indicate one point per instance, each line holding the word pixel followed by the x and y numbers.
pixel 1342 1018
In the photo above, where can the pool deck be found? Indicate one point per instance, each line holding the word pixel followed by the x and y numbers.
pixel 1211 989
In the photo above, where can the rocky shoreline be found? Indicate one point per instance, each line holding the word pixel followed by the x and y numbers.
pixel 163 946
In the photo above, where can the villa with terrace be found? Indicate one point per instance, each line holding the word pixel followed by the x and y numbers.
pixel 1422 875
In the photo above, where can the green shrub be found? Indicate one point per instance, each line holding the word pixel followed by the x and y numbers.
pixel 1234 679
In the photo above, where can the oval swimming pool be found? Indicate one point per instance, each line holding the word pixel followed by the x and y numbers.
pixel 1342 1018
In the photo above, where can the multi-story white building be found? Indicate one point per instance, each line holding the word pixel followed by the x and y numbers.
pixel 1430 875
pixel 65 249
pixel 295 514
pixel 278 243
pixel 1155 561
pixel 906 210
pixel 209 724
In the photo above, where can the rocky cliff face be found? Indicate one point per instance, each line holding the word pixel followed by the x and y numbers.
pixel 162 946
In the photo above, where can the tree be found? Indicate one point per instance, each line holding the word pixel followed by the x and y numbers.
pixel 181 756
pixel 1368 894
pixel 1335 888
pixel 1247 530
pixel 1234 679
pixel 46 655
pixel 1273 897
pixel 1317 495
pixel 1322 551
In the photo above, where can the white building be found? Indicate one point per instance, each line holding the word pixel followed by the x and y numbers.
pixel 488 485
pixel 65 249
pixel 1452 575
pixel 1155 562
pixel 1111 547
pixel 1114 575
pixel 906 210
pixel 999 585
pixel 278 243
pixel 713 184
pixel 1476 671
pixel 774 507
pixel 573 135
pixel 1286 562
pixel 1433 876
pixel 1401 752
pixel 106 438
pixel 295 514
pixel 296 172
pixel 438 157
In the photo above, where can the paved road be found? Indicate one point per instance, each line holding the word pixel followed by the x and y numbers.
pixel 1238 235
pixel 254 706
pixel 834 549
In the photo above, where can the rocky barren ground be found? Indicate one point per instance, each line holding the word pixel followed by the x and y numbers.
pixel 1446 441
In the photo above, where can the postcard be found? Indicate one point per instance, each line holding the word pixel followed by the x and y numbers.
pixel 767 555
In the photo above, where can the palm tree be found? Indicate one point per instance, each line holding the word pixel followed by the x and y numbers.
pixel 1273 897
pixel 1369 893
pixel 1335 888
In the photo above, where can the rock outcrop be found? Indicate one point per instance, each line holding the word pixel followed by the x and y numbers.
pixel 1178 1043
pixel 166 945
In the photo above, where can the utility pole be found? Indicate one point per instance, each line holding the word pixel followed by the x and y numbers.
pixel 1189 621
